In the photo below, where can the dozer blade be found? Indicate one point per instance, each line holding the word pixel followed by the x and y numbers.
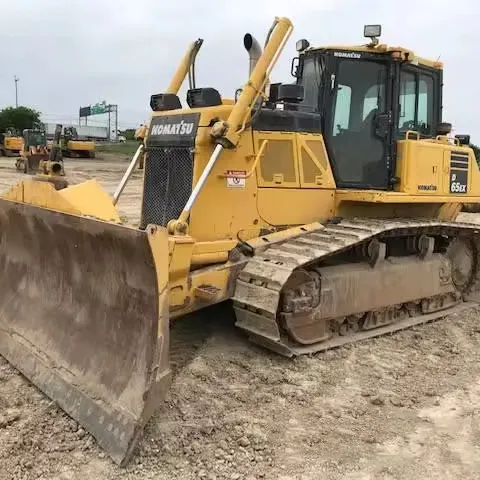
pixel 84 316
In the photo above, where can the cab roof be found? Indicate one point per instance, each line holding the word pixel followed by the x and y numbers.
pixel 397 52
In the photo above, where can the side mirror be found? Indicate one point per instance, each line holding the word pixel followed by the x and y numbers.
pixel 295 68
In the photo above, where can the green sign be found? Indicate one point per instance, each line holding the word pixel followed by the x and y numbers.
pixel 97 109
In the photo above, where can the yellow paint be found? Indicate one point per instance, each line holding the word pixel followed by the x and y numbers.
pixel 15 144
pixel 92 200
pixel 201 248
pixel 295 206
pixel 314 166
pixel 141 132
pixel 158 240
pixel 427 162
pixel 279 165
pixel 373 196
pixel 208 253
pixel 209 258
pixel 283 235
pixel 185 253
pixel 87 198
pixel 218 278
pixel 179 267
pixel 42 194
pixel 449 211
pixel 235 208
pixel 81 145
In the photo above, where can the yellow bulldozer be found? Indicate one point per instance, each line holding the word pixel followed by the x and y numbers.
pixel 36 157
pixel 324 209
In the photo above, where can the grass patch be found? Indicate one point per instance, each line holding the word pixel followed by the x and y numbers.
pixel 128 148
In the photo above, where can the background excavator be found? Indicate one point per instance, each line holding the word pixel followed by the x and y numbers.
pixel 74 146
pixel 323 209
pixel 10 143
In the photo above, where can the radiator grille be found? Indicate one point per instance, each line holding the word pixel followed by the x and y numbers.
pixel 167 184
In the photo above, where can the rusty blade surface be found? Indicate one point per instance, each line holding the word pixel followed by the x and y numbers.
pixel 79 311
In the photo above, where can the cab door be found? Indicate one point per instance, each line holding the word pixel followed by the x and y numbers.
pixel 358 120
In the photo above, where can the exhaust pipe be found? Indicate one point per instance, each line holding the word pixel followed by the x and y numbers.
pixel 254 51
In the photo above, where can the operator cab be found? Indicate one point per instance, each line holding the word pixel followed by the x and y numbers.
pixel 368 97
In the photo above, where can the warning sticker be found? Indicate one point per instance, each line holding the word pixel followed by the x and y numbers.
pixel 236 178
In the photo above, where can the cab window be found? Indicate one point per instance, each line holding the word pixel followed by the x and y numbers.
pixel 341 119
pixel 311 75
pixel 416 103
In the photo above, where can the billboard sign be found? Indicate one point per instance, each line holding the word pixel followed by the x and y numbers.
pixel 96 109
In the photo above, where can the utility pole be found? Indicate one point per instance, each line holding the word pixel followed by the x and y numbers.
pixel 16 90
pixel 116 122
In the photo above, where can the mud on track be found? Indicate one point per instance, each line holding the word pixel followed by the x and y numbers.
pixel 406 406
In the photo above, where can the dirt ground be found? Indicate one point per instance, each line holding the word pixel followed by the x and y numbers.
pixel 405 406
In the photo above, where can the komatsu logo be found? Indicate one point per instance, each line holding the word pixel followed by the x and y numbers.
pixel 427 188
pixel 173 130
pixel 182 128
pixel 347 54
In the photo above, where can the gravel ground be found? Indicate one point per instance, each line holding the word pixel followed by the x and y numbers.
pixel 404 406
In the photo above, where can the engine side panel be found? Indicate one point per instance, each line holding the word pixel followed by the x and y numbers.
pixel 435 168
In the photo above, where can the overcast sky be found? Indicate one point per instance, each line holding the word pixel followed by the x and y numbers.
pixel 73 53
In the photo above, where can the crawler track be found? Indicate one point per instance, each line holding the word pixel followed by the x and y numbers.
pixel 308 293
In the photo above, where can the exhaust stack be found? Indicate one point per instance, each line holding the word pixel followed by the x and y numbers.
pixel 254 51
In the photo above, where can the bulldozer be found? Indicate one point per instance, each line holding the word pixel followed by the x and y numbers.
pixel 323 209
pixel 36 157
pixel 33 151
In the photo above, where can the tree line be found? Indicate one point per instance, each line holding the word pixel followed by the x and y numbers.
pixel 20 118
